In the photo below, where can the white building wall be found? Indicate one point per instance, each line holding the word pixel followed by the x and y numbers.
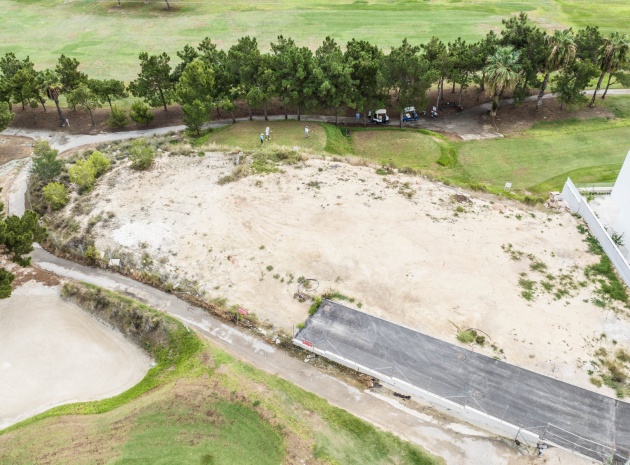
pixel 621 196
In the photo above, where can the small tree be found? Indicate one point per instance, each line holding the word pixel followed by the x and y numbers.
pixel 117 118
pixel 6 279
pixel 83 174
pixel 45 163
pixel 570 83
pixel 17 235
pixel 84 97
pixel 141 113
pixel 108 90
pixel 195 115
pixel 141 155
pixel 100 163
pixel 154 83
pixel 55 195
pixel 6 116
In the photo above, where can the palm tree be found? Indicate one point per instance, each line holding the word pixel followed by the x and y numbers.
pixel 562 50
pixel 48 84
pixel 502 72
pixel 612 54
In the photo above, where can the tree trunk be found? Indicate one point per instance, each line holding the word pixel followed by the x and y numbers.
pixel 233 118
pixel 42 101
pixel 599 84
pixel 542 91
pixel 401 119
pixel 608 85
pixel 461 90
pixel 483 82
pixel 91 116
pixel 249 110
pixel 439 90
pixel 109 100
pixel 61 118
pixel 168 5
pixel 336 116
pixel 495 103
pixel 298 109
pixel 163 99
pixel 265 110
pixel 218 112
pixel 453 90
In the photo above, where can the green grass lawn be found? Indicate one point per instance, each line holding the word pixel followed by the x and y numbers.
pixel 587 150
pixel 538 161
pixel 283 134
pixel 106 38
pixel 406 148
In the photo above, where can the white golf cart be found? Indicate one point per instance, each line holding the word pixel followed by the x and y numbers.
pixel 379 117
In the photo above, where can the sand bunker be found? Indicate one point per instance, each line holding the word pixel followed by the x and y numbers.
pixel 52 353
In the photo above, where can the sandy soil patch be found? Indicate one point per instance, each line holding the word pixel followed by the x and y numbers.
pixel 52 353
pixel 405 248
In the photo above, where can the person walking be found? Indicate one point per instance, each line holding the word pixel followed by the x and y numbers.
pixel 262 138
pixel 267 132
pixel 306 132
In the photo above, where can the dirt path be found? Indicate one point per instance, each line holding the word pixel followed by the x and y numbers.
pixel 466 125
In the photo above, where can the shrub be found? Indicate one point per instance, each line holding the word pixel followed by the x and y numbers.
pixel 45 163
pixel 100 163
pixel 141 155
pixel 467 336
pixel 141 113
pixel 82 173
pixel 56 195
pixel 118 118
pixel 91 253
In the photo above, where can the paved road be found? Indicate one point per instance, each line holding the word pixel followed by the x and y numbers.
pixel 458 444
pixel 515 395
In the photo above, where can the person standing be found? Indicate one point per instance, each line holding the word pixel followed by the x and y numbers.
pixel 262 138
pixel 306 132
pixel 267 132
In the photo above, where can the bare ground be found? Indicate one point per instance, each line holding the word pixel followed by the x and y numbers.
pixel 404 248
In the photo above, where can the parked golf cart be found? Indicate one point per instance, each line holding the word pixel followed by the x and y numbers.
pixel 379 117
pixel 410 114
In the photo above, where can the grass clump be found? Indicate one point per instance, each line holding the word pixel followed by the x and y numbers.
pixel 336 141
pixel 317 301
pixel 610 286
pixel 469 336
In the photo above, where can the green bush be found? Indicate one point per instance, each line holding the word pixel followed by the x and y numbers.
pixel 45 163
pixel 56 195
pixel 83 174
pixel 141 113
pixel 92 254
pixel 141 155
pixel 117 118
pixel 100 163
pixel 467 336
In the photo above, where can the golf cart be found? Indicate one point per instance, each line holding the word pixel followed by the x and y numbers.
pixel 379 117
pixel 410 114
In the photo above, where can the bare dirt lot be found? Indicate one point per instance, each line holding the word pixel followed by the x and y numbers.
pixel 403 248
pixel 52 353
